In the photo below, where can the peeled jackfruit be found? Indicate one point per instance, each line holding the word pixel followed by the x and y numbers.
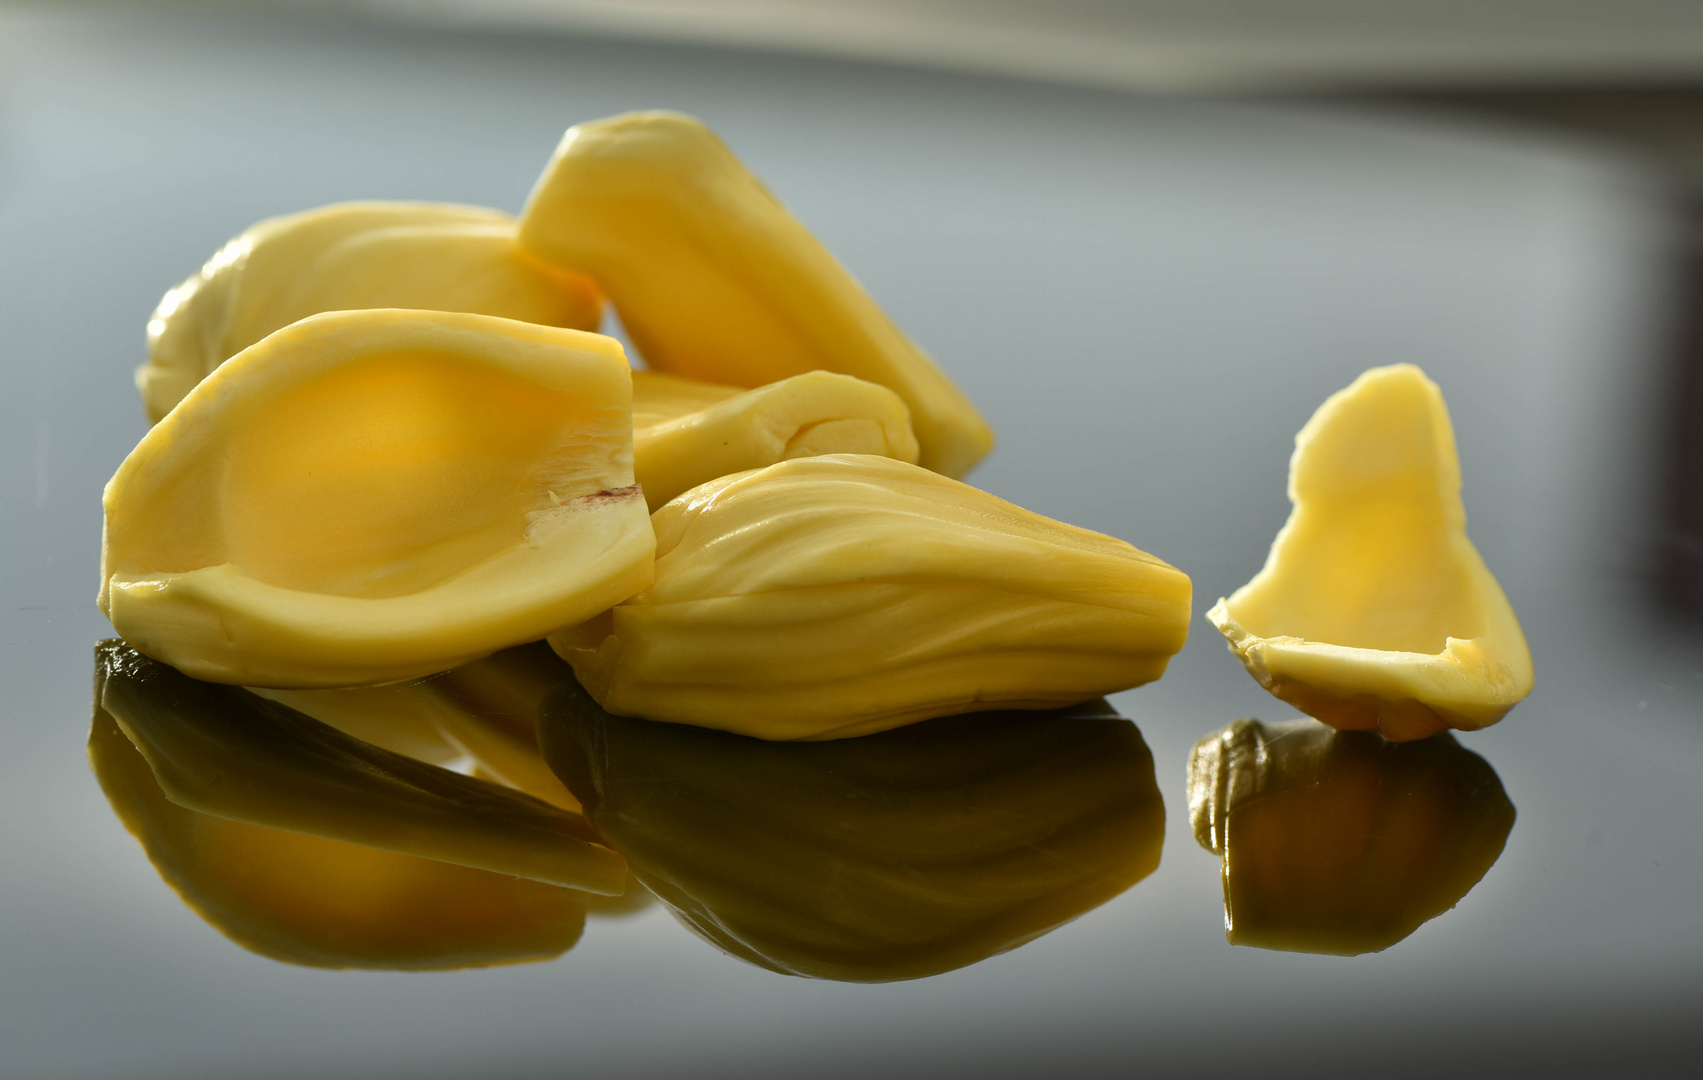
pixel 715 280
pixel 897 856
pixel 1341 842
pixel 367 496
pixel 686 433
pixel 351 255
pixel 834 596
pixel 223 751
pixel 325 903
pixel 1374 610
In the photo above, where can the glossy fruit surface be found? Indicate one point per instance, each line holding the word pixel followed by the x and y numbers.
pixel 368 496
pixel 1374 610
pixel 834 596
pixel 715 280
pixel 434 256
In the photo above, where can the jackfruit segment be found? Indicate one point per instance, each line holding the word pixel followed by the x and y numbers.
pixel 898 856
pixel 485 712
pixel 715 280
pixel 223 751
pixel 325 903
pixel 345 256
pixel 1374 610
pixel 687 433
pixel 1341 842
pixel 834 596
pixel 369 496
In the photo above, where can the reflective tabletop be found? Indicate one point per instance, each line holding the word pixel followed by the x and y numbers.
pixel 1147 298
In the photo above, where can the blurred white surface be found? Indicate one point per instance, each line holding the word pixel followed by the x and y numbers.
pixel 1168 45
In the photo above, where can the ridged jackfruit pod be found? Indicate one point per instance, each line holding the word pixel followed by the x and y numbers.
pixel 897 856
pixel 834 596
pixel 715 280
pixel 351 255
pixel 308 900
pixel 1341 842
pixel 222 750
pixel 1374 610
pixel 368 496
pixel 686 433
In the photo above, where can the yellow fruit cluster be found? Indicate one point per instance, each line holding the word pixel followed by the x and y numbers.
pixel 388 444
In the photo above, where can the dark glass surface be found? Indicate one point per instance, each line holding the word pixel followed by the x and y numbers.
pixel 1147 298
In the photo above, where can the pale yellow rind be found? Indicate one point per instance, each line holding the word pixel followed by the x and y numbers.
pixel 804 416
pixel 834 596
pixel 375 495
pixel 715 280
pixel 1374 610
pixel 432 256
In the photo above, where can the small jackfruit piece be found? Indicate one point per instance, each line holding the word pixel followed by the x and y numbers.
pixel 351 255
pixel 1341 842
pixel 897 856
pixel 1374 610
pixel 834 596
pixel 485 711
pixel 715 280
pixel 224 751
pixel 324 903
pixel 367 496
pixel 686 433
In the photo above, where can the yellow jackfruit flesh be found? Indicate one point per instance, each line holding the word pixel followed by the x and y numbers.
pixel 351 255
pixel 369 496
pixel 1374 610
pixel 325 903
pixel 897 856
pixel 1341 842
pixel 835 596
pixel 686 433
pixel 222 750
pixel 715 280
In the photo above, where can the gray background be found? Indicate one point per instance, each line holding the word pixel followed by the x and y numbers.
pixel 1146 297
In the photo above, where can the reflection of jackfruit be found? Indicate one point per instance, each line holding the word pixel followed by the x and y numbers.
pixel 325 903
pixel 373 495
pixel 1341 842
pixel 486 711
pixel 715 280
pixel 896 856
pixel 350 255
pixel 223 751
pixel 686 433
pixel 1374 610
pixel 833 596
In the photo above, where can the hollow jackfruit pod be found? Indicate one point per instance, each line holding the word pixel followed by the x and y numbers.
pixel 716 280
pixel 1374 610
pixel 834 596
pixel 433 256
pixel 368 496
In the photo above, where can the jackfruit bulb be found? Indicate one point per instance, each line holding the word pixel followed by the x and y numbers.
pixel 351 255
pixel 834 596
pixel 1374 610
pixel 367 496
pixel 715 280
